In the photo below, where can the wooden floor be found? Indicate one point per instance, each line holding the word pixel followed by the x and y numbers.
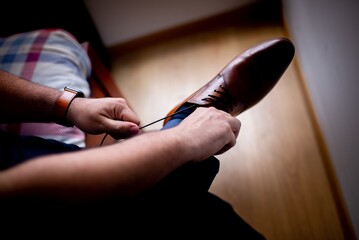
pixel 274 177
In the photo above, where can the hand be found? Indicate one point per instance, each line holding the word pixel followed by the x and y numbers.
pixel 209 131
pixel 104 115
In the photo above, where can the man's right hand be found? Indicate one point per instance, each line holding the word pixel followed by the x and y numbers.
pixel 209 131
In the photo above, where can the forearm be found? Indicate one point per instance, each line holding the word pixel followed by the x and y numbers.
pixel 122 169
pixel 22 100
pixel 125 168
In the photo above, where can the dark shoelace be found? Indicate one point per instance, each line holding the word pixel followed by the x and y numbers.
pixel 223 102
pixel 171 115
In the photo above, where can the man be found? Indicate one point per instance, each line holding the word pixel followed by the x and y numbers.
pixel 155 179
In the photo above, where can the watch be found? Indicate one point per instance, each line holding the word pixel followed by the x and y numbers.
pixel 63 103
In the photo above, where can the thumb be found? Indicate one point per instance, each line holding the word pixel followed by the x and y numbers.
pixel 121 129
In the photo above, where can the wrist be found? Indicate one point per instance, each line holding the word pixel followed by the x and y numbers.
pixel 183 144
pixel 62 105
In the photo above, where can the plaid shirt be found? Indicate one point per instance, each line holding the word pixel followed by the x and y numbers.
pixel 51 57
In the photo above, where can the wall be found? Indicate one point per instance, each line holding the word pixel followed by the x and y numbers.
pixel 326 36
pixel 120 21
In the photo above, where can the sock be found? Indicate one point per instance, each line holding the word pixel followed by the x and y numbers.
pixel 178 117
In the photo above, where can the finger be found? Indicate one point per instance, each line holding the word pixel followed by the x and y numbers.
pixel 121 129
pixel 128 115
pixel 229 145
pixel 233 122
pixel 236 126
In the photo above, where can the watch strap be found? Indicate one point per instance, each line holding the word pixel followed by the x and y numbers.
pixel 63 103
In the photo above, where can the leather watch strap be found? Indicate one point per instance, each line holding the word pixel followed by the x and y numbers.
pixel 63 103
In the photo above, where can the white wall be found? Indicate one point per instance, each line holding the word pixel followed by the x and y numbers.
pixel 123 20
pixel 326 34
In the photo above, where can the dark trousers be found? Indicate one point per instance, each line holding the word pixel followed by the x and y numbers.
pixel 179 205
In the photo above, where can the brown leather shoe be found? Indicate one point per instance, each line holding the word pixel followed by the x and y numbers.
pixel 246 79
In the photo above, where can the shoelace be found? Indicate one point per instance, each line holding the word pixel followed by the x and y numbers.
pixel 223 102
pixel 182 110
